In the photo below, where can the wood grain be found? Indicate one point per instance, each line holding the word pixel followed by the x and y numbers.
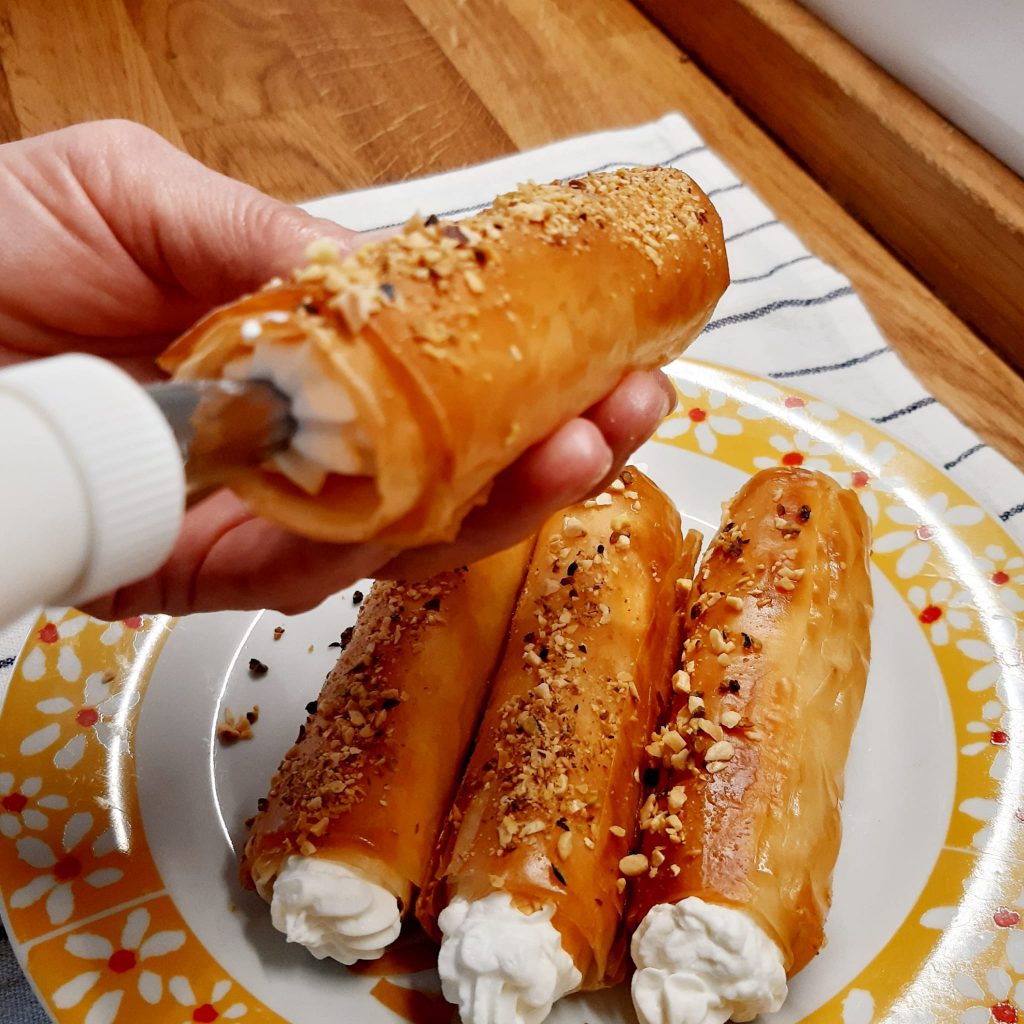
pixel 953 211
pixel 79 62
pixel 397 101
pixel 304 98
pixel 10 126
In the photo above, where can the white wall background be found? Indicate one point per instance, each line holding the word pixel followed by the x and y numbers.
pixel 965 57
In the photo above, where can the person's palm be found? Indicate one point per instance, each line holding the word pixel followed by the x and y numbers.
pixel 116 241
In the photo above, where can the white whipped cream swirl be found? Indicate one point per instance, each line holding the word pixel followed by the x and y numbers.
pixel 328 439
pixel 699 963
pixel 333 911
pixel 500 965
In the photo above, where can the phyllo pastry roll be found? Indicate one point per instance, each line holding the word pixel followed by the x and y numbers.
pixel 344 837
pixel 743 831
pixel 525 895
pixel 421 365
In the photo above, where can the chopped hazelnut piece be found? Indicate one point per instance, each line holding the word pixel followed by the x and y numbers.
pixel 717 641
pixel 678 761
pixel 713 729
pixel 572 527
pixel 633 865
pixel 673 740
pixel 565 845
pixel 681 682
pixel 237 727
pixel 720 751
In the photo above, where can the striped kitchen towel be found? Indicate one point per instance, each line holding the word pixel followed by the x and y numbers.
pixel 787 316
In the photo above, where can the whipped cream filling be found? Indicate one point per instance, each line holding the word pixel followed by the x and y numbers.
pixel 328 438
pixel 500 965
pixel 333 911
pixel 700 963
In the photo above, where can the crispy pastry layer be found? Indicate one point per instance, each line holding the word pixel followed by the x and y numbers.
pixel 548 804
pixel 462 344
pixel 754 747
pixel 373 772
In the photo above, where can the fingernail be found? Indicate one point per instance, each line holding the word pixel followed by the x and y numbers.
pixel 671 396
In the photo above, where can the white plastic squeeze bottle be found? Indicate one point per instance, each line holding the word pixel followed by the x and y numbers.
pixel 95 470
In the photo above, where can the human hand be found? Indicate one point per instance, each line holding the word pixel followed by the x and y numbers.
pixel 117 241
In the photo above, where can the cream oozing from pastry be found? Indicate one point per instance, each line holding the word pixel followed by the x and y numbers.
pixel 498 964
pixel 328 438
pixel 333 911
pixel 700 963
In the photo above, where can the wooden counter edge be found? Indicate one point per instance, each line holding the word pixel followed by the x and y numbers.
pixel 952 211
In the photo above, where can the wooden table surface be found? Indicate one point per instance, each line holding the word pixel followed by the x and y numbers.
pixel 305 97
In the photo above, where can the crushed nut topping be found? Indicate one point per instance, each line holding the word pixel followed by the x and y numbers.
pixel 237 727
pixel 537 768
pixel 633 865
pixel 565 845
pixel 721 751
pixel 349 729
pixel 468 256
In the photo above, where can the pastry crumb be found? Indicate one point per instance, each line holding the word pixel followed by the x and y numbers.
pixel 237 727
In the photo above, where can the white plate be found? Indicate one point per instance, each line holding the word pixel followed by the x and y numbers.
pixel 924 920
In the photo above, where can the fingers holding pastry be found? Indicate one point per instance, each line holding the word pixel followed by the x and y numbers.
pixel 228 558
pixel 549 476
pixel 631 414
pixel 574 461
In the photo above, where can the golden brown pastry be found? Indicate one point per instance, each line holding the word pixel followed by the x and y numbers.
pixel 525 892
pixel 742 834
pixel 422 365
pixel 345 836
